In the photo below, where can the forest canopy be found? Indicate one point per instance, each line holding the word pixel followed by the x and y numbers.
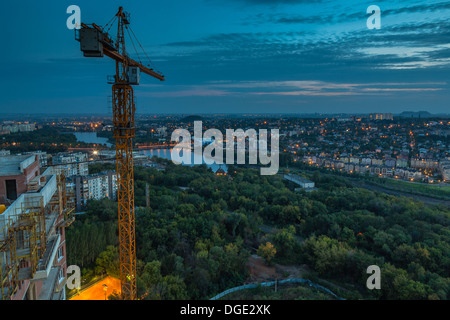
pixel 200 230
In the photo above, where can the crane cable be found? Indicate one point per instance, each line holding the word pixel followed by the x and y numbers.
pixel 110 22
pixel 144 51
pixel 128 28
pixel 139 58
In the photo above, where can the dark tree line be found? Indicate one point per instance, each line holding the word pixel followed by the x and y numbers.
pixel 196 236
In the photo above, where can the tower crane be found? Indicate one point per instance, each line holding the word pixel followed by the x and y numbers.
pixel 95 41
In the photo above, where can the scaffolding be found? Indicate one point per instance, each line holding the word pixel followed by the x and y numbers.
pixel 8 271
pixel 23 236
pixel 22 246
pixel 63 201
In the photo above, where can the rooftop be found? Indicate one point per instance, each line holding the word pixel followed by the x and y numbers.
pixel 296 178
pixel 14 165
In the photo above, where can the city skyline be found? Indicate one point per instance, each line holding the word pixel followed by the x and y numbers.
pixel 240 56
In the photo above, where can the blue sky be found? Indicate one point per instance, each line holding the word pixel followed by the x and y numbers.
pixel 235 56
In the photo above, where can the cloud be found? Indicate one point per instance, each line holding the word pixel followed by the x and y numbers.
pixel 342 16
pixel 407 59
pixel 415 57
pixel 277 2
pixel 190 92
pixel 289 18
pixel 400 89
pixel 196 43
pixel 296 88
pixel 418 64
pixel 307 93
pixel 321 88
pixel 404 45
pixel 232 40
pixel 418 8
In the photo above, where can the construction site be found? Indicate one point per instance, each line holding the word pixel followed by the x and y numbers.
pixel 32 239
pixel 96 41
pixel 32 235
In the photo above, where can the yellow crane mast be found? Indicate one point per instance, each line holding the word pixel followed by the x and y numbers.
pixel 96 42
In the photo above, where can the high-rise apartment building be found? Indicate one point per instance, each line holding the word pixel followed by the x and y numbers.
pixel 43 157
pixel 32 241
pixel 72 164
pixel 95 186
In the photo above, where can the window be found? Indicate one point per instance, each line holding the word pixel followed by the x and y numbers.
pixel 60 253
pixel 61 275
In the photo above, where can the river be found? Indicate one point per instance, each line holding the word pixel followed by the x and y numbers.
pixel 91 137
pixel 166 154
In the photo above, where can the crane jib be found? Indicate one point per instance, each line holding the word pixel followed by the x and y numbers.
pixel 95 43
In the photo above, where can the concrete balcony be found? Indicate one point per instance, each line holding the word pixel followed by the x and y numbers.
pixel 46 263
pixel 49 286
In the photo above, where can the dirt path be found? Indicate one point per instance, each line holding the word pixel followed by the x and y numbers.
pixel 260 272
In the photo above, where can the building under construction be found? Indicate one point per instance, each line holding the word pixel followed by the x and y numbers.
pixel 32 239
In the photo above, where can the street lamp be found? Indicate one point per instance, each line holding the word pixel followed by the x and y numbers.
pixel 105 287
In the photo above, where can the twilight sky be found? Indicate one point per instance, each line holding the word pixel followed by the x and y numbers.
pixel 234 56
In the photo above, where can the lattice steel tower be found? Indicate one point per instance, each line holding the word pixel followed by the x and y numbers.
pixel 96 42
